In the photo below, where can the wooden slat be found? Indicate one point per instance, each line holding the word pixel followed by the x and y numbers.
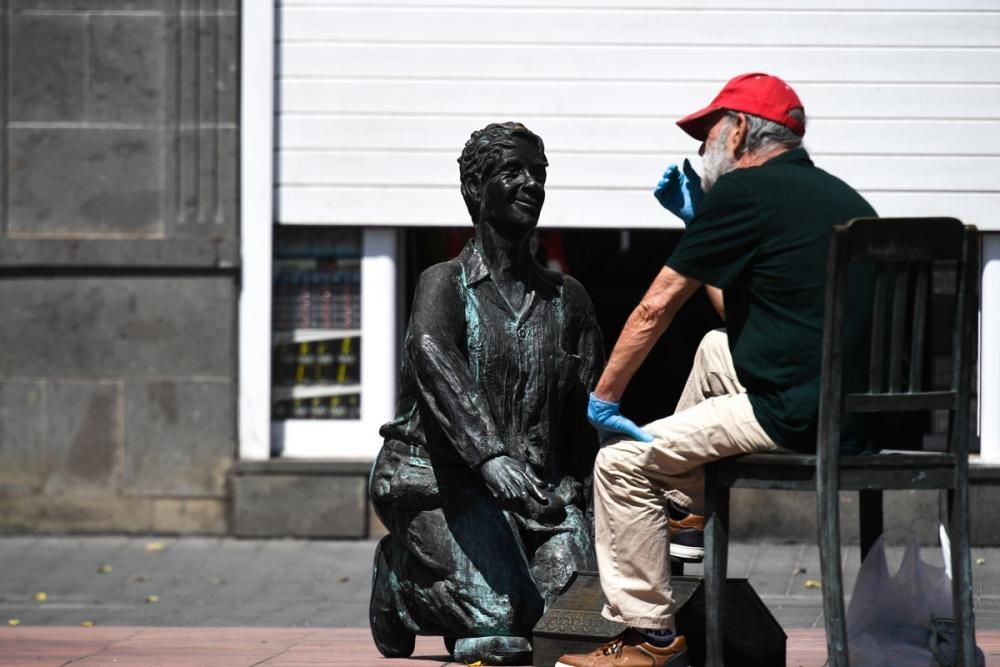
pixel 921 296
pixel 931 400
pixel 610 26
pixel 877 351
pixel 897 335
pixel 925 238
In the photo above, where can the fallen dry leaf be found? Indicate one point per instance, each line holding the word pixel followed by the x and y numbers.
pixel 343 580
pixel 812 583
pixel 152 598
pixel 142 579
pixel 155 546
pixel 980 561
pixel 40 597
pixel 87 624
pixel 104 569
pixel 13 622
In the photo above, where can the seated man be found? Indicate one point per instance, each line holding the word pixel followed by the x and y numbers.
pixel 761 235
pixel 483 480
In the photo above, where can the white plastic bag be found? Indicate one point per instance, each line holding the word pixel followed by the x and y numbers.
pixel 889 617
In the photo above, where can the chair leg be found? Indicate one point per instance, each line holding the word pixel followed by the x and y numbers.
pixel 828 520
pixel 961 577
pixel 870 513
pixel 716 563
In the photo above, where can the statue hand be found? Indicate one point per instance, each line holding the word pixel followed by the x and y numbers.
pixel 680 191
pixel 512 482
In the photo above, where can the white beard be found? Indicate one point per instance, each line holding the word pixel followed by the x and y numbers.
pixel 715 162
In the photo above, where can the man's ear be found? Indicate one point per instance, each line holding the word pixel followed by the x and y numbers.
pixel 738 135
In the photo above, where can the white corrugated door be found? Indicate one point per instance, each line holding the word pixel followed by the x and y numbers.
pixel 375 99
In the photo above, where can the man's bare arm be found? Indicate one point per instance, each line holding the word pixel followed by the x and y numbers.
pixel 645 325
pixel 715 296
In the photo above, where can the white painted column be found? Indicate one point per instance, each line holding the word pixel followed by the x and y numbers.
pixel 256 222
pixel 379 309
pixel 989 351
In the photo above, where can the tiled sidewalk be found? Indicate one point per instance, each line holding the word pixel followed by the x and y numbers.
pixel 248 647
pixel 278 647
pixel 285 583
pixel 220 601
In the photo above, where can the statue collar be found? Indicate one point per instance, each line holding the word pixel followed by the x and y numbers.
pixel 475 269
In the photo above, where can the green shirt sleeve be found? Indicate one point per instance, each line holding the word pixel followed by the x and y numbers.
pixel 723 237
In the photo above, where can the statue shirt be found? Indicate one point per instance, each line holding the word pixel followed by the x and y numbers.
pixel 481 379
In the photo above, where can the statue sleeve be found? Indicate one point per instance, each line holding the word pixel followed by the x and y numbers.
pixel 579 438
pixel 448 389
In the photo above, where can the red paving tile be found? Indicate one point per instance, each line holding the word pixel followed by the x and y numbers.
pixel 54 646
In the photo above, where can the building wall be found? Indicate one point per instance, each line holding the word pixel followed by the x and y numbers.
pixel 119 254
pixel 377 100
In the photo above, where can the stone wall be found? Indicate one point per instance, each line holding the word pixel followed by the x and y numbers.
pixel 119 260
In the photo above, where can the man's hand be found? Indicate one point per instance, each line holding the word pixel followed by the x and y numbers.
pixel 608 420
pixel 680 191
pixel 513 482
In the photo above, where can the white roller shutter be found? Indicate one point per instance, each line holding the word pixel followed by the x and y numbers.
pixel 375 99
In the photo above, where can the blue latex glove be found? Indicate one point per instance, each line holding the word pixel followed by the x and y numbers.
pixel 680 191
pixel 607 418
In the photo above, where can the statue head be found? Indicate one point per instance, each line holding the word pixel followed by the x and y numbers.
pixel 502 170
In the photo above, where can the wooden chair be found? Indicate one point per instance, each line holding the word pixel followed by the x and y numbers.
pixel 903 251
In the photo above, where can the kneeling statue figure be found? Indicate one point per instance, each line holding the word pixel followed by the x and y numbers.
pixel 483 480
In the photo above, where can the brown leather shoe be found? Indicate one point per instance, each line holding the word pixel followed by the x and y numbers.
pixel 630 649
pixel 691 521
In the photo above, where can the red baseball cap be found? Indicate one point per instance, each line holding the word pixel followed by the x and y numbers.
pixel 755 93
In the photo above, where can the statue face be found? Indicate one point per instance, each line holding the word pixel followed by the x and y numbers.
pixel 513 195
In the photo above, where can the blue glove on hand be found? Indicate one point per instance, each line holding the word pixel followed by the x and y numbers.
pixel 680 191
pixel 607 418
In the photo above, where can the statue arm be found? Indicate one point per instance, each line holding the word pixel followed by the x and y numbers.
pixel 441 365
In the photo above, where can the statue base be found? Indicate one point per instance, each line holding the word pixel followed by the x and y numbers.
pixel 573 624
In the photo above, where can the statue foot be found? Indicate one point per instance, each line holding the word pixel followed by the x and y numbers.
pixel 392 638
pixel 493 650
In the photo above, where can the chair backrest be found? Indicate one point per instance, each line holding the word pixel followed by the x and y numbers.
pixel 907 254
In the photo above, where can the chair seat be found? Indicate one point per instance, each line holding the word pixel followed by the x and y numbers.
pixel 885 470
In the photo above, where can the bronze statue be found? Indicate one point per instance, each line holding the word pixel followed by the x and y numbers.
pixel 484 477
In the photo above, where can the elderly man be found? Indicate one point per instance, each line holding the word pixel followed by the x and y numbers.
pixel 482 477
pixel 758 241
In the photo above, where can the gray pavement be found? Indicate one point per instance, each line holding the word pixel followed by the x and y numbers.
pixel 199 581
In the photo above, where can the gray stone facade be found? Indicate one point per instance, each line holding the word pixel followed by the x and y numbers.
pixel 119 260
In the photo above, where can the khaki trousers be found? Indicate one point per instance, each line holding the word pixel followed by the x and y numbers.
pixel 633 482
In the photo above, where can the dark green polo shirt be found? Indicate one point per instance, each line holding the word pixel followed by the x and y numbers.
pixel 762 235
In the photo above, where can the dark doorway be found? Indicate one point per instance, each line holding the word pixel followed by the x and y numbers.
pixel 616 267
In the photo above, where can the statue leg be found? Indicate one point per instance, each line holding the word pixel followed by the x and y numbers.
pixel 392 638
pixel 460 571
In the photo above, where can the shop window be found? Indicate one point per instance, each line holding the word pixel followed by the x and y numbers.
pixel 316 313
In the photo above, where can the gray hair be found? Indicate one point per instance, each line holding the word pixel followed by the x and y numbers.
pixel 763 133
